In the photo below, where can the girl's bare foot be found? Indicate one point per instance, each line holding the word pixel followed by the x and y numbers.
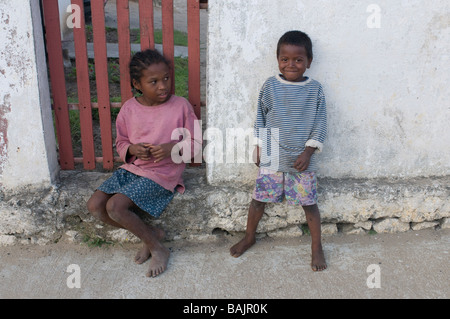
pixel 158 263
pixel 318 259
pixel 240 248
pixel 144 253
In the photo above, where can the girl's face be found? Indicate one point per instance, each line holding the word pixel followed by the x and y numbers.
pixel 293 61
pixel 155 84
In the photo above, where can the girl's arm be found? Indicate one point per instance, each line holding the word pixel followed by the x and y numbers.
pixel 189 137
pixel 128 151
pixel 122 141
pixel 162 151
pixel 194 139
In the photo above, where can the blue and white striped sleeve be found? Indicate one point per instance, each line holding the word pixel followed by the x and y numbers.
pixel 260 122
pixel 319 131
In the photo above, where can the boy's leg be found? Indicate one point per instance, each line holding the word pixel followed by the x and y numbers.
pixel 255 213
pixel 118 208
pixel 313 218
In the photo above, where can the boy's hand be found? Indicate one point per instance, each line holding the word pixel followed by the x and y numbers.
pixel 256 156
pixel 141 151
pixel 160 152
pixel 303 160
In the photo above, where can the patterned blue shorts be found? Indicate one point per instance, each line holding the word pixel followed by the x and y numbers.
pixel 145 193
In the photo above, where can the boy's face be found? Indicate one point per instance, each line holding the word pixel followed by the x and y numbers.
pixel 293 61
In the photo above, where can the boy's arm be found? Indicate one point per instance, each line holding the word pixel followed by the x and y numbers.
pixel 303 160
pixel 317 137
pixel 260 122
pixel 256 155
pixel 319 131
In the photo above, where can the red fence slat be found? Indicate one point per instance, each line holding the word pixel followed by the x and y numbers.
pixel 123 29
pixel 167 34
pixel 193 18
pixel 85 105
pixel 57 79
pixel 101 72
pixel 84 92
pixel 146 24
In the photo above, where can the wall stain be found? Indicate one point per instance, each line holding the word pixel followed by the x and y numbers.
pixel 5 108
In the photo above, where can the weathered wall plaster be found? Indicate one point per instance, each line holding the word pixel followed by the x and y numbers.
pixel 27 142
pixel 386 88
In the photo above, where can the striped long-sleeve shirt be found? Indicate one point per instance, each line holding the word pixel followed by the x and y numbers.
pixel 290 117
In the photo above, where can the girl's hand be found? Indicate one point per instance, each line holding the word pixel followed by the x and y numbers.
pixel 160 152
pixel 303 160
pixel 141 151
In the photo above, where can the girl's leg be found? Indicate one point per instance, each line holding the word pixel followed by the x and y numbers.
pixel 255 213
pixel 313 218
pixel 97 207
pixel 118 209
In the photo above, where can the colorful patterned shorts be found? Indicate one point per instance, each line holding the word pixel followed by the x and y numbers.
pixel 298 188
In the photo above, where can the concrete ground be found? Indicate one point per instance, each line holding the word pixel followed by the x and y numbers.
pixel 407 265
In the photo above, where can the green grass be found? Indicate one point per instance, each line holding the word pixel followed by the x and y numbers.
pixel 96 241
pixel 305 229
pixel 181 77
pixel 179 38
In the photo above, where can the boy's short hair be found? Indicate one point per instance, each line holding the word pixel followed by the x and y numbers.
pixel 298 38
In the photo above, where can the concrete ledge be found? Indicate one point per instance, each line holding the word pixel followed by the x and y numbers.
pixel 349 206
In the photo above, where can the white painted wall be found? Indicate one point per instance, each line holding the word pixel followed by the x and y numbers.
pixel 387 88
pixel 27 141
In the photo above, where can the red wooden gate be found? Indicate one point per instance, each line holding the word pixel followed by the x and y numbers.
pixel 85 106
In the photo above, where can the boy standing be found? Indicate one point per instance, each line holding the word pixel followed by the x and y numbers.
pixel 291 126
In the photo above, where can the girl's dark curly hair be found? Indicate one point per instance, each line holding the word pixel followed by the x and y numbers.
pixel 141 61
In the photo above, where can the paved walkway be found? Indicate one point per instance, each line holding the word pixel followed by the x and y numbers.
pixel 409 265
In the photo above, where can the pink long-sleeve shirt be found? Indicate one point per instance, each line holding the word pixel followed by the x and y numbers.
pixel 137 123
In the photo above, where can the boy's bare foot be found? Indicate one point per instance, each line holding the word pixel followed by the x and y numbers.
pixel 240 248
pixel 318 262
pixel 158 263
pixel 144 253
